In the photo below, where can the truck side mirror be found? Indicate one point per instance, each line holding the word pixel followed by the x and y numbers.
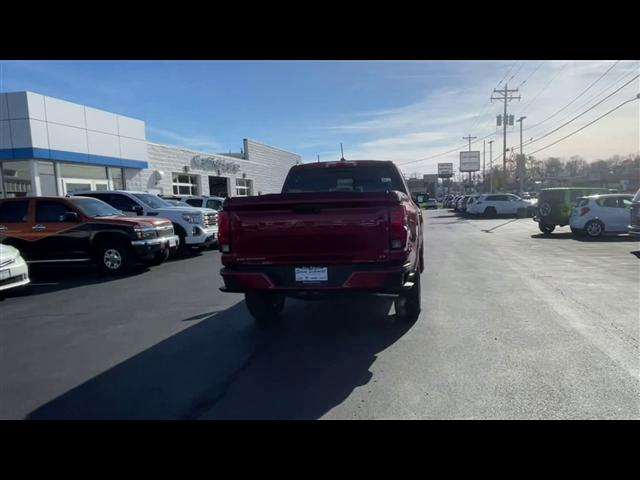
pixel 69 217
pixel 138 210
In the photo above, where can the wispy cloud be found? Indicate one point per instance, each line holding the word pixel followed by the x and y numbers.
pixel 197 142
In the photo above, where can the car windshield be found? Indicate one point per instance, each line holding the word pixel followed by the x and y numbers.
pixel 177 203
pixel 152 201
pixel 92 207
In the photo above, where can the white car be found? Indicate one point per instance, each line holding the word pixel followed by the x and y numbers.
pixel 13 269
pixel 596 215
pixel 491 204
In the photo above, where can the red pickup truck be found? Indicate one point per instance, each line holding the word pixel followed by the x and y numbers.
pixel 337 227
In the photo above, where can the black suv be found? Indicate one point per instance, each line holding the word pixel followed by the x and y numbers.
pixel 555 205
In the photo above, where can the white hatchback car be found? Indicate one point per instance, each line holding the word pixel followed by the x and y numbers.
pixel 13 269
pixel 599 214
pixel 491 204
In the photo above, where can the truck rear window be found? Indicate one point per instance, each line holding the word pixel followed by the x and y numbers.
pixel 379 178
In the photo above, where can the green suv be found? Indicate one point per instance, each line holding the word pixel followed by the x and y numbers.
pixel 555 205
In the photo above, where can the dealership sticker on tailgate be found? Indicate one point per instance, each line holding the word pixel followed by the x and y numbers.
pixel 311 274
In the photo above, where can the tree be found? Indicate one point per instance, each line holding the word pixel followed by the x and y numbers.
pixel 552 167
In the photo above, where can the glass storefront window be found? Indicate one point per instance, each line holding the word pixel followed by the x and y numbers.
pixel 46 172
pixel 77 170
pixel 117 179
pixel 16 178
pixel 185 184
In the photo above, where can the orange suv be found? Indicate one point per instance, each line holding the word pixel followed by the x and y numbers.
pixel 83 229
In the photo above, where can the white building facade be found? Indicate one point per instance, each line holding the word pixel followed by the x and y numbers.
pixel 50 146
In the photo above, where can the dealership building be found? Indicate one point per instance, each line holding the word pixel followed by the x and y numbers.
pixel 50 146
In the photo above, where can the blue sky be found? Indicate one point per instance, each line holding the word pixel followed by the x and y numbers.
pixel 397 110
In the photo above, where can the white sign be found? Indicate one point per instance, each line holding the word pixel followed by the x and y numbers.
pixel 311 274
pixel 445 169
pixel 470 161
pixel 214 163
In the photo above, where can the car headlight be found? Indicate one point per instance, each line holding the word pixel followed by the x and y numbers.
pixel 145 233
pixel 192 217
pixel 4 262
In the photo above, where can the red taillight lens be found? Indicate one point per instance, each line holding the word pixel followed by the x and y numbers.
pixel 223 232
pixel 398 227
pixel 584 210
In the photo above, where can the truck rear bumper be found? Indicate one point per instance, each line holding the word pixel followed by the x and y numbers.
pixel 341 279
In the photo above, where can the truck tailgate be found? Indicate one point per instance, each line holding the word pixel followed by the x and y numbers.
pixel 318 228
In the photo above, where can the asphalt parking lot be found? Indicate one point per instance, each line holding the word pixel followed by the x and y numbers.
pixel 515 324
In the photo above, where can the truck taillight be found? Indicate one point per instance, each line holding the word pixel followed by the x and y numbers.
pixel 398 227
pixel 224 232
pixel 584 211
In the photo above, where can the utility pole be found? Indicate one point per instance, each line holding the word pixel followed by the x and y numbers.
pixel 505 96
pixel 318 158
pixel 469 137
pixel 341 151
pixel 491 164
pixel 521 170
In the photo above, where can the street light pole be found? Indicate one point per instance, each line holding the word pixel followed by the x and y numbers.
pixel 491 164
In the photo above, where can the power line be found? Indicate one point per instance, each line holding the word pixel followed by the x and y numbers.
pixel 457 149
pixel 576 98
pixel 517 71
pixel 591 98
pixel 545 87
pixel 581 114
pixel 505 75
pixel 532 73
pixel 590 123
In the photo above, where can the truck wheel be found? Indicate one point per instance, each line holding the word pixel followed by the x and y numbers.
pixel 490 212
pixel 546 229
pixel 407 305
pixel 264 307
pixel 115 258
pixel 158 258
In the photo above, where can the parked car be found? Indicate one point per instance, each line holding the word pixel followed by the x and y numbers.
pixel 600 214
pixel 176 203
pixel 214 203
pixel 82 229
pixel 13 269
pixel 556 204
pixel 197 229
pixel 492 204
pixel 469 201
pixel 634 216
pixel 431 203
pixel 337 227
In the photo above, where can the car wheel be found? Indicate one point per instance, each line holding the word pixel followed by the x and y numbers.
pixel 594 228
pixel 490 212
pixel 115 258
pixel 546 229
pixel 264 307
pixel 408 305
pixel 184 250
pixel 544 209
pixel 158 258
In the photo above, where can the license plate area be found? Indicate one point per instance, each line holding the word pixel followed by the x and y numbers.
pixel 4 274
pixel 311 274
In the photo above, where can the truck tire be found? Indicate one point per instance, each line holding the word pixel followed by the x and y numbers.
pixel 115 258
pixel 546 229
pixel 264 307
pixel 408 304
pixel 157 259
pixel 490 212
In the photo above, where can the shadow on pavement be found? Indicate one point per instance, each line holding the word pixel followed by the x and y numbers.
pixel 225 367
pixel 52 278
pixel 637 254
pixel 579 238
